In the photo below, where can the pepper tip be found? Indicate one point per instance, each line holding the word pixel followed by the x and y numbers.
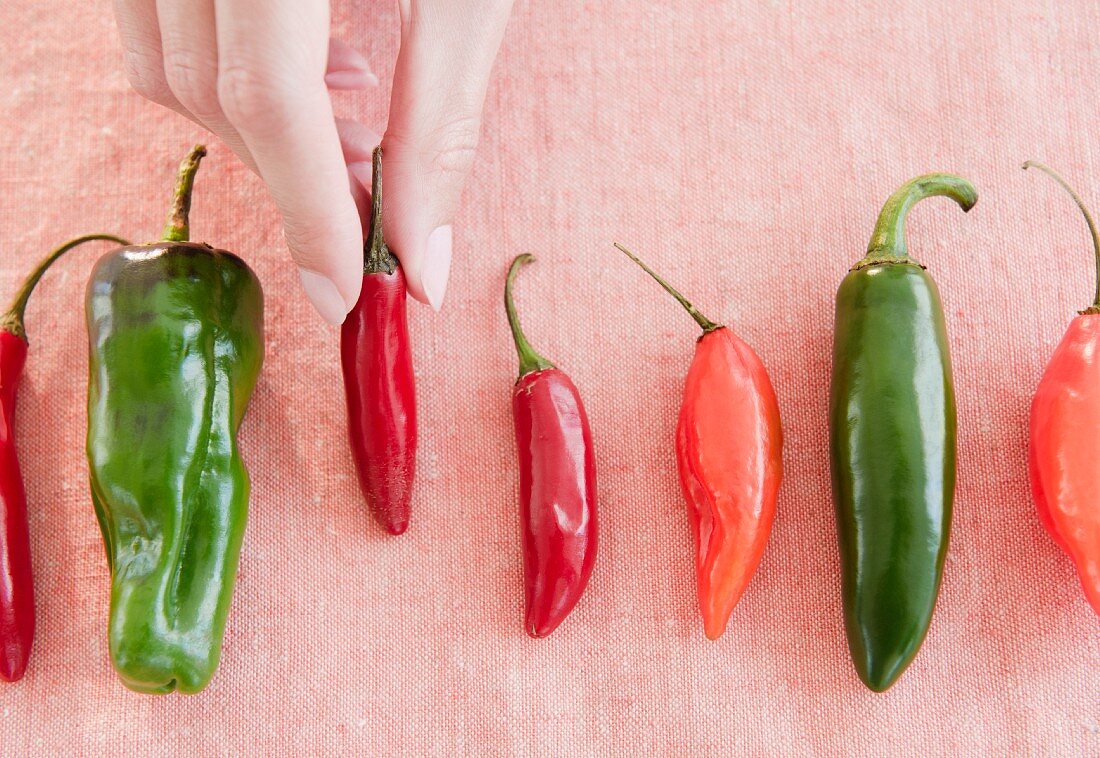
pixel 879 686
pixel 541 629
pixel 880 672
pixel 714 631
pixel 13 665
pixel 396 528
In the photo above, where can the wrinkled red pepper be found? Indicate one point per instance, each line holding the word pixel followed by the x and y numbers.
pixel 16 579
pixel 378 378
pixel 729 450
pixel 557 482
pixel 1064 455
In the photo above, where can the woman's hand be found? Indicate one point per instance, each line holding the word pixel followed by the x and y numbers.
pixel 257 74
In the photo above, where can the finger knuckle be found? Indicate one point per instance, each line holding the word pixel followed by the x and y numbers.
pixel 311 234
pixel 308 250
pixel 302 240
pixel 146 77
pixel 193 84
pixel 253 99
pixel 452 147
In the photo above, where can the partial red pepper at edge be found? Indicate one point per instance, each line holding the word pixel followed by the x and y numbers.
pixel 378 378
pixel 557 481
pixel 729 445
pixel 1065 433
pixel 16 579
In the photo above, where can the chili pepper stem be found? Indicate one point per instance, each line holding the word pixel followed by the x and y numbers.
pixel 178 228
pixel 700 319
pixel 888 243
pixel 1095 307
pixel 12 321
pixel 377 256
pixel 529 360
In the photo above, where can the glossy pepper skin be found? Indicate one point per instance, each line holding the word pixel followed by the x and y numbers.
pixel 557 482
pixel 892 426
pixel 378 378
pixel 176 344
pixel 16 579
pixel 729 452
pixel 1064 454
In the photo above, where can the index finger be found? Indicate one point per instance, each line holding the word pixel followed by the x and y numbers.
pixel 272 56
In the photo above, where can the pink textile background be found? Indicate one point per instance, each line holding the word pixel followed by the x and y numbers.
pixel 744 148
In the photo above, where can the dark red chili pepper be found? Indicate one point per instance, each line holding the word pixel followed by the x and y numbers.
pixel 557 481
pixel 16 580
pixel 378 378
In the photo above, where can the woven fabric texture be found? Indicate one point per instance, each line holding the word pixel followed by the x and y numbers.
pixel 744 149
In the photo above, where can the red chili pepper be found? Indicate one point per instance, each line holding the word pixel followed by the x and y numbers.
pixel 557 481
pixel 729 452
pixel 16 579
pixel 1065 434
pixel 378 378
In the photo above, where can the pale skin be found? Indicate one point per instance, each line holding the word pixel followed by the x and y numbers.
pixel 257 74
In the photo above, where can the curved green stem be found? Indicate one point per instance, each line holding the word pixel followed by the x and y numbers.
pixel 12 321
pixel 377 257
pixel 178 228
pixel 1095 307
pixel 888 240
pixel 700 319
pixel 529 360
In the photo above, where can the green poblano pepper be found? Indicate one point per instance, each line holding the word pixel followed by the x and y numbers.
pixel 892 440
pixel 176 346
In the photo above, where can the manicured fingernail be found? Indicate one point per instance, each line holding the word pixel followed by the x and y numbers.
pixel 325 297
pixel 363 171
pixel 437 265
pixel 351 79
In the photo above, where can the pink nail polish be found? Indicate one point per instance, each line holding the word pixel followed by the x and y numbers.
pixel 351 79
pixel 436 269
pixel 322 292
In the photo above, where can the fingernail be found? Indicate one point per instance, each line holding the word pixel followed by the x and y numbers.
pixel 437 265
pixel 325 297
pixel 351 79
pixel 363 171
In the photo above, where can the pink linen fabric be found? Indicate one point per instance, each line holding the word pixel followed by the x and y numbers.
pixel 744 149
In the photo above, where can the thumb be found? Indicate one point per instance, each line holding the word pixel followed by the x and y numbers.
pixel 442 73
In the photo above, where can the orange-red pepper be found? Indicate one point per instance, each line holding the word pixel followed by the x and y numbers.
pixel 729 453
pixel 1064 455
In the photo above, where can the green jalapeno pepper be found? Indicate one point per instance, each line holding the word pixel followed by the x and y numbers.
pixel 176 345
pixel 892 440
